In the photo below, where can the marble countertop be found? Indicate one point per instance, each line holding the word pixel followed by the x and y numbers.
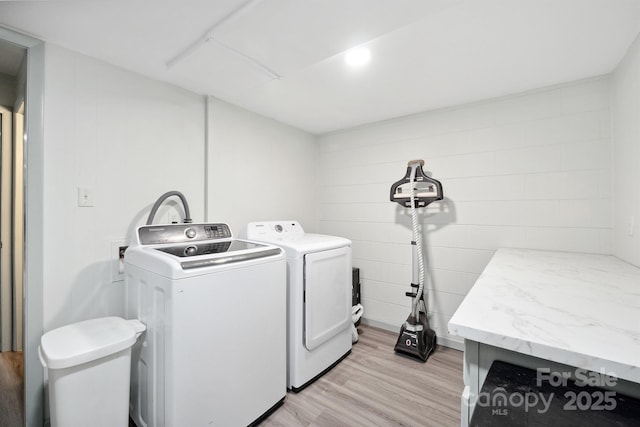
pixel 578 309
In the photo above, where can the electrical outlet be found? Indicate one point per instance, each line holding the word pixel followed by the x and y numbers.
pixel 631 225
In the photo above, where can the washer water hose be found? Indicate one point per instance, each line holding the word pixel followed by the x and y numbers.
pixel 164 197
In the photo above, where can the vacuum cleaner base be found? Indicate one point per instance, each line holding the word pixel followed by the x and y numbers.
pixel 417 344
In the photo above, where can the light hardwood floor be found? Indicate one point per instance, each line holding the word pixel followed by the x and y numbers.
pixel 11 389
pixel 374 386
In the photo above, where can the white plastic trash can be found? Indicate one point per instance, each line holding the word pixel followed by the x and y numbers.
pixel 88 365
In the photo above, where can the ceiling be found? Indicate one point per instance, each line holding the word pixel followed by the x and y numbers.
pixel 284 58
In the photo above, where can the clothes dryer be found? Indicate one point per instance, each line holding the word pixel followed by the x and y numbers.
pixel 319 298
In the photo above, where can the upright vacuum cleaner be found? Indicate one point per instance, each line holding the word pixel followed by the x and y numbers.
pixel 416 190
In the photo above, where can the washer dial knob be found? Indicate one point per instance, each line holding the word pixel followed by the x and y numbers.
pixel 190 233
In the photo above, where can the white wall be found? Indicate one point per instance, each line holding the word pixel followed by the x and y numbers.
pixel 130 139
pixel 127 138
pixel 626 156
pixel 259 169
pixel 531 171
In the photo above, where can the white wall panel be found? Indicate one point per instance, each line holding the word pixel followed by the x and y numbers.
pixel 566 239
pixel 566 128
pixel 529 160
pixel 532 170
pixel 588 155
pixel 259 170
pixel 562 185
pixel 127 138
pixel 481 188
pixel 626 156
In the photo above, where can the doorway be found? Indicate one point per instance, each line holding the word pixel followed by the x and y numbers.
pixel 11 229
pixel 12 70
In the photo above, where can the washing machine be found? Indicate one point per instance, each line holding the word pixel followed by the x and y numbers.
pixel 319 298
pixel 214 352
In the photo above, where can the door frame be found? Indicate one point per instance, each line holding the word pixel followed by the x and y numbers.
pixel 34 222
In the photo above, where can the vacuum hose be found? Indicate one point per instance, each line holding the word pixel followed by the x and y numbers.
pixel 417 240
pixel 164 197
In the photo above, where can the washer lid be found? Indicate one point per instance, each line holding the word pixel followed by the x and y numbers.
pixel 313 243
pixel 83 342
pixel 290 236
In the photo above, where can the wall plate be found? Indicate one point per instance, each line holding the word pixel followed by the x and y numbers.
pixel 117 259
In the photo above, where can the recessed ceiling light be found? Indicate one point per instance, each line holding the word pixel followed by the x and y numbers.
pixel 357 56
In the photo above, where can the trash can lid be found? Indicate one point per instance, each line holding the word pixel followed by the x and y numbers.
pixel 88 340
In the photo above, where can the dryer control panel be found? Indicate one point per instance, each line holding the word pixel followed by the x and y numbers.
pixel 180 233
pixel 274 230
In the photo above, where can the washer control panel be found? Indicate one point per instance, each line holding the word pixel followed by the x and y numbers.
pixel 178 233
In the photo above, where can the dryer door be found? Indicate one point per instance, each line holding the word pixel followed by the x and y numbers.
pixel 327 286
